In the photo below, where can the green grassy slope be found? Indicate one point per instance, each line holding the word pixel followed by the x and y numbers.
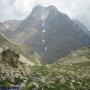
pixel 3 40
pixel 73 73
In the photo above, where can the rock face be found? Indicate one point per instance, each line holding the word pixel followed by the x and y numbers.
pixel 10 57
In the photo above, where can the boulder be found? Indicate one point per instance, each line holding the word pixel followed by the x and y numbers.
pixel 10 57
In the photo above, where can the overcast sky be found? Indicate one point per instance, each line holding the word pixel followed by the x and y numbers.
pixel 20 9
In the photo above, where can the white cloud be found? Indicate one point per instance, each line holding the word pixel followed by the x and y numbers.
pixel 19 9
pixel 15 9
pixel 73 8
pixel 5 9
pixel 22 8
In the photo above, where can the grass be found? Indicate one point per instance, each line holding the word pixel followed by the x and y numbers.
pixel 3 40
pixel 67 74
pixel 76 77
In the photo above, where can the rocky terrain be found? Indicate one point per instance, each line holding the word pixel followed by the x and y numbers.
pixel 12 70
pixel 73 73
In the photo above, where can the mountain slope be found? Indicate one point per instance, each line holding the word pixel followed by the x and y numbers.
pixel 24 51
pixel 80 56
pixel 80 25
pixel 15 62
pixel 64 75
pixel 51 33
pixel 3 40
pixel 71 73
pixel 8 27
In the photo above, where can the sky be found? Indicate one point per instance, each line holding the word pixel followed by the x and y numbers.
pixel 20 9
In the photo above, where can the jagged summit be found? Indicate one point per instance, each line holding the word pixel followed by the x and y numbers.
pixel 39 10
pixel 51 7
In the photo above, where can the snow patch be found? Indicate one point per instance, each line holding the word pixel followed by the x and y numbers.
pixel 45 48
pixel 44 31
pixel 43 41
pixel 54 31
pixel 7 26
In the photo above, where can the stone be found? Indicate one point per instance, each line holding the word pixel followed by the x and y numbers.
pixel 11 57
pixel 62 81
pixel 12 77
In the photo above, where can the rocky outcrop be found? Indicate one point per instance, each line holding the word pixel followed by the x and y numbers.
pixel 10 57
pixel 12 70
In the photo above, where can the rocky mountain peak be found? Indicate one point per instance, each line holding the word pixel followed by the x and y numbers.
pixel 41 11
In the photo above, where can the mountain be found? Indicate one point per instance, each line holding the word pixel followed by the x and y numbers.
pixel 50 33
pixel 59 37
pixel 46 35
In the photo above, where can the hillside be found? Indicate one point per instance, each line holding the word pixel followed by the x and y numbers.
pixel 8 27
pixel 69 73
pixel 73 73
pixel 3 40
pixel 79 56
pixel 24 51
pixel 15 62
